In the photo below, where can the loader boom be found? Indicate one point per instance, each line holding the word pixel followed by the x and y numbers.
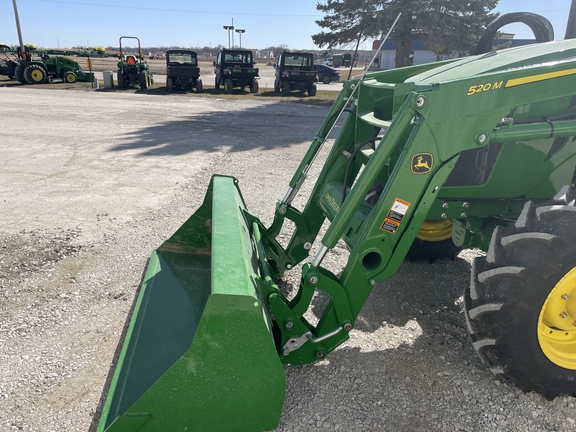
pixel 473 144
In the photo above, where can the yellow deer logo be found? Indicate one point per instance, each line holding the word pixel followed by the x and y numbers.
pixel 422 163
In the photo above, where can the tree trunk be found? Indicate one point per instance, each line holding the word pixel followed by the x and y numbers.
pixel 403 35
pixel 403 53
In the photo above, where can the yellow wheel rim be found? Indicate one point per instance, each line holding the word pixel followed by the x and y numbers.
pixel 435 230
pixel 70 78
pixel 557 323
pixel 37 75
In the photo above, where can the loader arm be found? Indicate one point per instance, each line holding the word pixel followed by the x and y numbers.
pixel 413 152
pixel 469 141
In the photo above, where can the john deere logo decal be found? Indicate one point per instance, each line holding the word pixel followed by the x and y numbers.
pixel 422 163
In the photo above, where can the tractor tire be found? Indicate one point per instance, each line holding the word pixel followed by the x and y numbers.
pixel 199 87
pixel 276 86
pixel 70 77
pixel 520 308
pixel 255 87
pixel 121 82
pixel 216 84
pixel 169 85
pixel 35 74
pixel 19 74
pixel 285 87
pixel 143 80
pixel 312 90
pixel 431 251
pixel 228 86
pixel 326 79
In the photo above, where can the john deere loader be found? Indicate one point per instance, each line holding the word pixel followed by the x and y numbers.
pixel 472 152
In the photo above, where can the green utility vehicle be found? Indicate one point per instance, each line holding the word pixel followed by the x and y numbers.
pixel 295 71
pixel 235 68
pixel 133 70
pixel 182 70
pixel 480 150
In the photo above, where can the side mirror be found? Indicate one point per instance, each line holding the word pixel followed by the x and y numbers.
pixel 274 65
pixel 213 63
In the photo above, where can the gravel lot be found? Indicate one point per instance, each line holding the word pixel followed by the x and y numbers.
pixel 91 182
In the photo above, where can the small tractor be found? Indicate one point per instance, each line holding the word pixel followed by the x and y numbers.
pixel 295 71
pixel 235 68
pixel 182 70
pixel 133 70
pixel 478 151
pixel 49 68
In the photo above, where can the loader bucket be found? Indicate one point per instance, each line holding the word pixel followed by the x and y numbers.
pixel 199 353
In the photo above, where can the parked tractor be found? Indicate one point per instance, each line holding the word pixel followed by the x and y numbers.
pixel 133 70
pixel 182 70
pixel 477 151
pixel 235 68
pixel 295 71
pixel 48 68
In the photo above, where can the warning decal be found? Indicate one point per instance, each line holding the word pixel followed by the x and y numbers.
pixel 395 215
pixel 389 226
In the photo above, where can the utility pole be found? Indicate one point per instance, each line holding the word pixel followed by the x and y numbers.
pixel 18 27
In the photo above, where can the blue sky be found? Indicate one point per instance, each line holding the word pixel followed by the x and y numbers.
pixel 67 23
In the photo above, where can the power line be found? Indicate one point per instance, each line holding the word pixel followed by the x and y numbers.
pixel 175 10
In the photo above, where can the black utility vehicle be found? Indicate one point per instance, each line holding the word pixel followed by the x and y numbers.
pixel 182 70
pixel 235 68
pixel 295 71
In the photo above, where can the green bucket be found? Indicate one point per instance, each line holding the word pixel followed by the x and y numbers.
pixel 199 354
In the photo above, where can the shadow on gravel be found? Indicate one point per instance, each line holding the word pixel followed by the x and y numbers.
pixel 263 127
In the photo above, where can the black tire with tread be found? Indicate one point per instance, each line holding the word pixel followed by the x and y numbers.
pixel 199 87
pixel 228 86
pixel 121 83
pixel 216 83
pixel 18 73
pixel 143 80
pixel 312 90
pixel 35 74
pixel 285 87
pixel 254 87
pixel 70 77
pixel 431 251
pixel 169 84
pixel 509 288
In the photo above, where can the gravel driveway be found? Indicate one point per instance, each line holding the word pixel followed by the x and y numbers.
pixel 91 182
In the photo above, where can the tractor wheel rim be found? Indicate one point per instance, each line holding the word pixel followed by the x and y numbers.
pixel 557 323
pixel 37 75
pixel 435 230
pixel 70 78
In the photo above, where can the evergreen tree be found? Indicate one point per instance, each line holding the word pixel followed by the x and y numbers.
pixel 445 26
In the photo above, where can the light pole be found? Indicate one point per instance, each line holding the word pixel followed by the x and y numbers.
pixel 229 28
pixel 240 31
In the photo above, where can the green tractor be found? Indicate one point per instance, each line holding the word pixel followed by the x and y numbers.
pixel 133 70
pixel 476 151
pixel 49 68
